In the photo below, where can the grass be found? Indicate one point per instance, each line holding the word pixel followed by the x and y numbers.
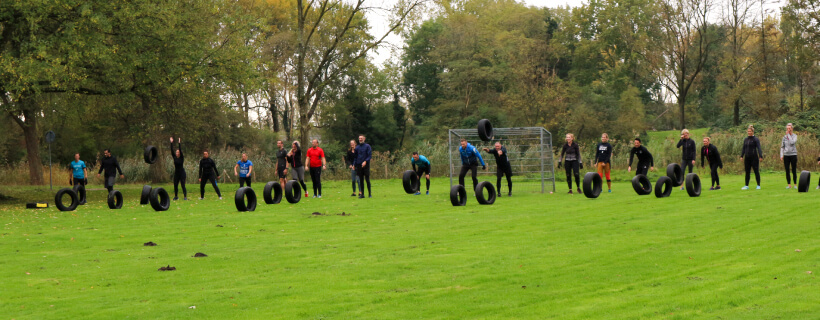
pixel 725 255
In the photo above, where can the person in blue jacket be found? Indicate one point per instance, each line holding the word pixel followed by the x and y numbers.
pixel 470 158
pixel 423 165
pixel 362 165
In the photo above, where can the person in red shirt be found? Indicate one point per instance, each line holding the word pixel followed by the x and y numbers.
pixel 316 163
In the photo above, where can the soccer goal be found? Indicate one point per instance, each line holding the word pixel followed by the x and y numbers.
pixel 529 151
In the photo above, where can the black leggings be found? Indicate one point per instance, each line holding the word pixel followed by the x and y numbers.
pixel 316 177
pixel 364 176
pixel 463 173
pixel 243 181
pixel 204 182
pixel 713 169
pixel 499 174
pixel 422 174
pixel 790 161
pixel 686 163
pixel 179 178
pixel 752 162
pixel 571 166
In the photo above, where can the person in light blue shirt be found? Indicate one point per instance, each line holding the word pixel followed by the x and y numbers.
pixel 79 173
pixel 421 166
pixel 470 158
pixel 245 167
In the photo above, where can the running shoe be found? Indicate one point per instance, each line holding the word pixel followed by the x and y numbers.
pixel 313 196
pixel 818 188
pixel 758 188
pixel 745 188
pixel 610 191
pixel 570 190
pixel 579 190
pixel 204 198
pixel 418 193
pixel 220 198
pixel 370 196
pixel 320 196
pixel 186 199
pixel 681 188
pixel 175 198
pixel 712 188
pixel 509 194
pixel 788 187
pixel 428 192
pixel 361 196
pixel 353 194
pixel 306 195
pixel 717 188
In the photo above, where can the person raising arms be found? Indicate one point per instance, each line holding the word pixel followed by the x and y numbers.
pixel 179 169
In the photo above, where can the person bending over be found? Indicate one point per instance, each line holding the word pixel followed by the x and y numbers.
pixel 422 167
pixel 316 163
pixel 710 152
pixel 571 155
pixel 687 147
pixel 79 173
pixel 297 171
pixel 751 155
pixel 503 167
pixel 208 172
pixel 245 167
pixel 362 165
pixel 470 158
pixel 788 154
pixel 109 164
pixel 602 159
pixel 179 170
pixel 645 160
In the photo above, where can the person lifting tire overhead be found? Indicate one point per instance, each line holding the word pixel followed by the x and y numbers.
pixel 179 169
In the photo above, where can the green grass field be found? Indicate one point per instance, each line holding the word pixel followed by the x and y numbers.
pixel 728 254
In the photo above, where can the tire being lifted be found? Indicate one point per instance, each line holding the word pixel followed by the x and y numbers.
pixel 663 188
pixel 592 185
pixel 675 173
pixel 458 195
pixel 58 199
pixel 411 183
pixel 479 192
pixel 641 185
pixel 115 199
pixel 160 200
pixel 272 193
pixel 146 193
pixel 804 182
pixel 239 199
pixel 485 130
pixel 693 185
pixel 80 190
pixel 150 154
pixel 293 191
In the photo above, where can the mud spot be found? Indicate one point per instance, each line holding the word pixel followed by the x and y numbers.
pixel 167 268
pixel 219 226
pixel 344 214
pixel 149 244
pixel 317 214
pixel 200 255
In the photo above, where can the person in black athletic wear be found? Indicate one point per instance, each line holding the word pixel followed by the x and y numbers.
pixel 350 158
pixel 282 163
pixel 645 160
pixel 687 147
pixel 751 155
pixel 208 172
pixel 602 159
pixel 179 169
pixel 710 152
pixel 362 165
pixel 297 169
pixel 109 164
pixel 572 163
pixel 503 167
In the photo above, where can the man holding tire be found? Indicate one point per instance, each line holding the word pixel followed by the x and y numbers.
pixel 245 167
pixel 79 173
pixel 316 163
pixel 423 165
pixel 110 166
pixel 503 167
pixel 470 158
pixel 687 147
pixel 645 160
pixel 362 165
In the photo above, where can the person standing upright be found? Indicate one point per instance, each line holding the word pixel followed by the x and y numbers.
pixel 645 160
pixel 208 172
pixel 281 163
pixel 350 158
pixel 245 167
pixel 788 154
pixel 109 164
pixel 710 152
pixel 316 163
pixel 571 156
pixel 687 147
pixel 751 155
pixel 179 170
pixel 602 159
pixel 362 164
pixel 503 167
pixel 297 168
pixel 79 173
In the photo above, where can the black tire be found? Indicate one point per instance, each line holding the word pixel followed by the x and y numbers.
pixel 664 186
pixel 675 173
pixel 146 193
pixel 641 185
pixel 693 185
pixel 411 183
pixel 804 182
pixel 80 190
pixel 159 199
pixel 293 191
pixel 485 130
pixel 151 154
pixel 239 199
pixel 592 185
pixel 272 193
pixel 115 199
pixel 479 192
pixel 58 199
pixel 458 196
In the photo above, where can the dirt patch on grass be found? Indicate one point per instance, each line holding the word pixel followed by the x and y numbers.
pixel 167 268
pixel 200 255
pixel 149 244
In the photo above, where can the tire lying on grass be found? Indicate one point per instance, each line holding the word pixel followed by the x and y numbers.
pixel 805 180
pixel 458 195
pixel 293 191
pixel 641 185
pixel 675 173
pixel 150 154
pixel 272 193
pixel 411 183
pixel 485 130
pixel 479 193
pixel 146 193
pixel 592 185
pixel 693 185
pixel 239 199
pixel 80 190
pixel 663 188
pixel 115 199
pixel 159 199
pixel 58 199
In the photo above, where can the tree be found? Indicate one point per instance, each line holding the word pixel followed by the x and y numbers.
pixel 737 60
